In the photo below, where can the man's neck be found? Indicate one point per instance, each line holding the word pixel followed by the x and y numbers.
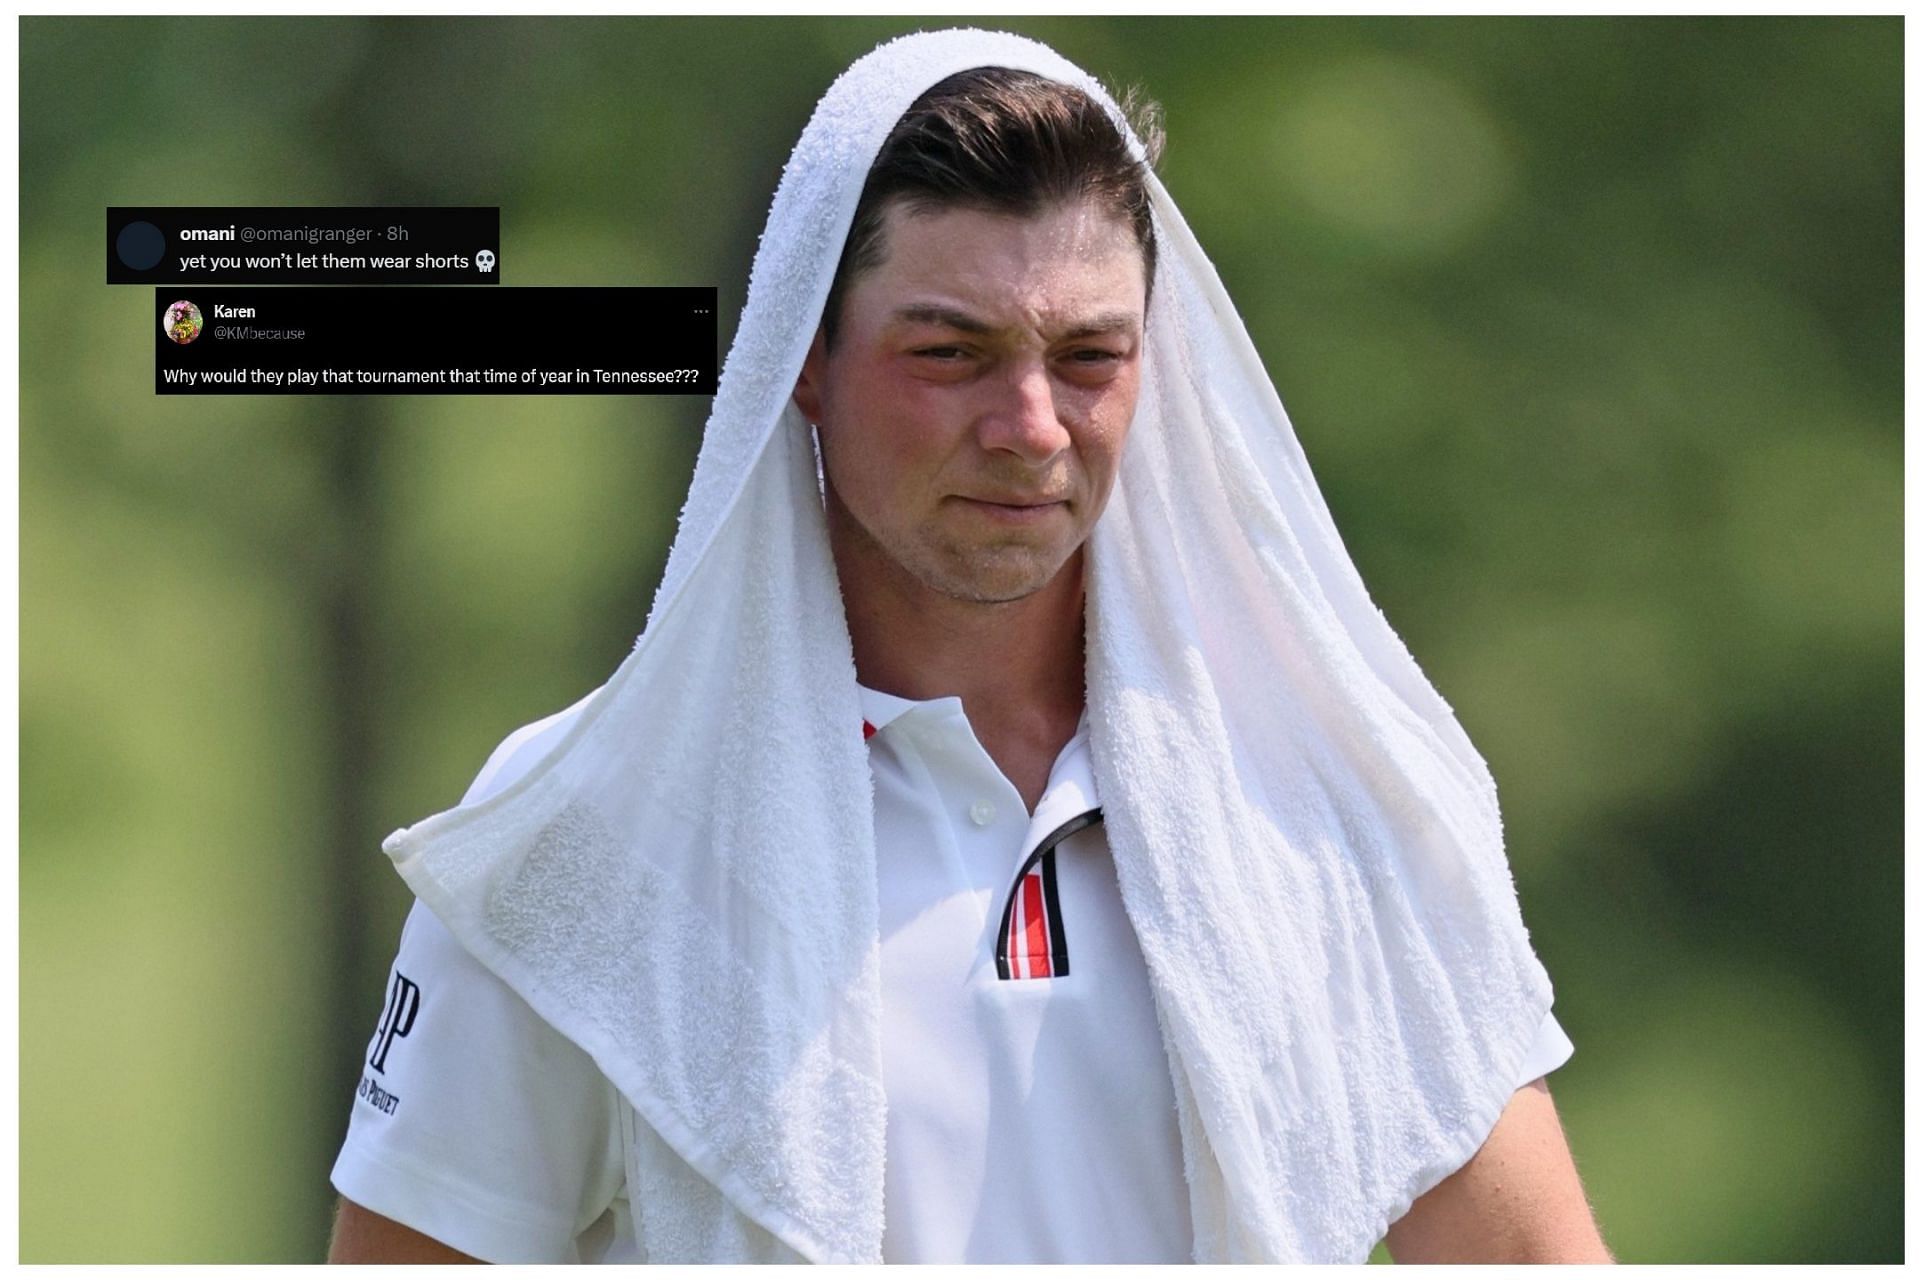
pixel 1018 668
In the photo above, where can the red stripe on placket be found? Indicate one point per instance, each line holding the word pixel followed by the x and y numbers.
pixel 1034 939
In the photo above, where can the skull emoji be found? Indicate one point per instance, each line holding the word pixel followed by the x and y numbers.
pixel 484 259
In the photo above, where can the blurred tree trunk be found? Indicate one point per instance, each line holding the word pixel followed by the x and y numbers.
pixel 346 596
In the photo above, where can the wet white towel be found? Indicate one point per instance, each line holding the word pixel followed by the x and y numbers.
pixel 1308 845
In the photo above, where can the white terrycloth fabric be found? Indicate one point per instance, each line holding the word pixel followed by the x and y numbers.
pixel 1308 845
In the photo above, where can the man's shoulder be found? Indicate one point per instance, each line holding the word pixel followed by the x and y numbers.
pixel 524 748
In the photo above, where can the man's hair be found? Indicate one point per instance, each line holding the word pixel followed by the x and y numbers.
pixel 1002 141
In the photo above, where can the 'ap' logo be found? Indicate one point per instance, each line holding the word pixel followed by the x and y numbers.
pixel 403 1005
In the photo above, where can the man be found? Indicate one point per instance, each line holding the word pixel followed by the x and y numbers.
pixel 1017 984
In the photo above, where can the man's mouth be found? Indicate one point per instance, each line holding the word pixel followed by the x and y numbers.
pixel 1017 509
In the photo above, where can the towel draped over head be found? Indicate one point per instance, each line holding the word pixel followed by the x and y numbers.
pixel 1308 846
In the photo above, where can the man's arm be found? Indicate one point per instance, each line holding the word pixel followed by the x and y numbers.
pixel 361 1235
pixel 1518 1199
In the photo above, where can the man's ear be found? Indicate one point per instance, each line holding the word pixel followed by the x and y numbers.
pixel 806 389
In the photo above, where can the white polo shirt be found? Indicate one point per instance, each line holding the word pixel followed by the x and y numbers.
pixel 1030 1113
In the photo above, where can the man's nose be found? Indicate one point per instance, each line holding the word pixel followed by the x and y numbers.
pixel 1026 420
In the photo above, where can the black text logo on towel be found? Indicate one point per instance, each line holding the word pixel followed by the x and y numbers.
pixel 403 1006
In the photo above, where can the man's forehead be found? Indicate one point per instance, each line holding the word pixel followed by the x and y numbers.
pixel 1063 228
pixel 1069 268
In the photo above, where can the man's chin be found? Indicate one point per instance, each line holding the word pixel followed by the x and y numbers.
pixel 995 584
pixel 991 595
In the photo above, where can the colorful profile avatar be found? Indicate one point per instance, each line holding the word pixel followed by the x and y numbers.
pixel 181 322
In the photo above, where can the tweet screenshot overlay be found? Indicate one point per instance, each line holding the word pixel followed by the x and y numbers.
pixel 185 245
pixel 415 340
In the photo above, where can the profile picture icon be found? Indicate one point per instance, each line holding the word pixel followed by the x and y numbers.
pixel 181 322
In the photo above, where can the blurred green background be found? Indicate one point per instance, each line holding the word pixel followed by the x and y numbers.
pixel 1590 327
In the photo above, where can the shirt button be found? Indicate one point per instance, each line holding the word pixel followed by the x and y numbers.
pixel 981 813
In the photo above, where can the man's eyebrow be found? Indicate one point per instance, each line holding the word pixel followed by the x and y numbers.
pixel 1095 326
pixel 946 317
pixel 1105 323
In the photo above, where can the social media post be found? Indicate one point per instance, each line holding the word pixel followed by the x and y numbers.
pixel 302 245
pixel 1618 455
pixel 435 341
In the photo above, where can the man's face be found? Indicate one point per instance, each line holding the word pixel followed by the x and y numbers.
pixel 974 407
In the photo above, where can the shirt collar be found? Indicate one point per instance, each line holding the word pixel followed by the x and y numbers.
pixel 1071 787
pixel 881 709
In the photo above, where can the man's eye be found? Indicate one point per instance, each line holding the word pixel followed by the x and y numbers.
pixel 1093 355
pixel 941 353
